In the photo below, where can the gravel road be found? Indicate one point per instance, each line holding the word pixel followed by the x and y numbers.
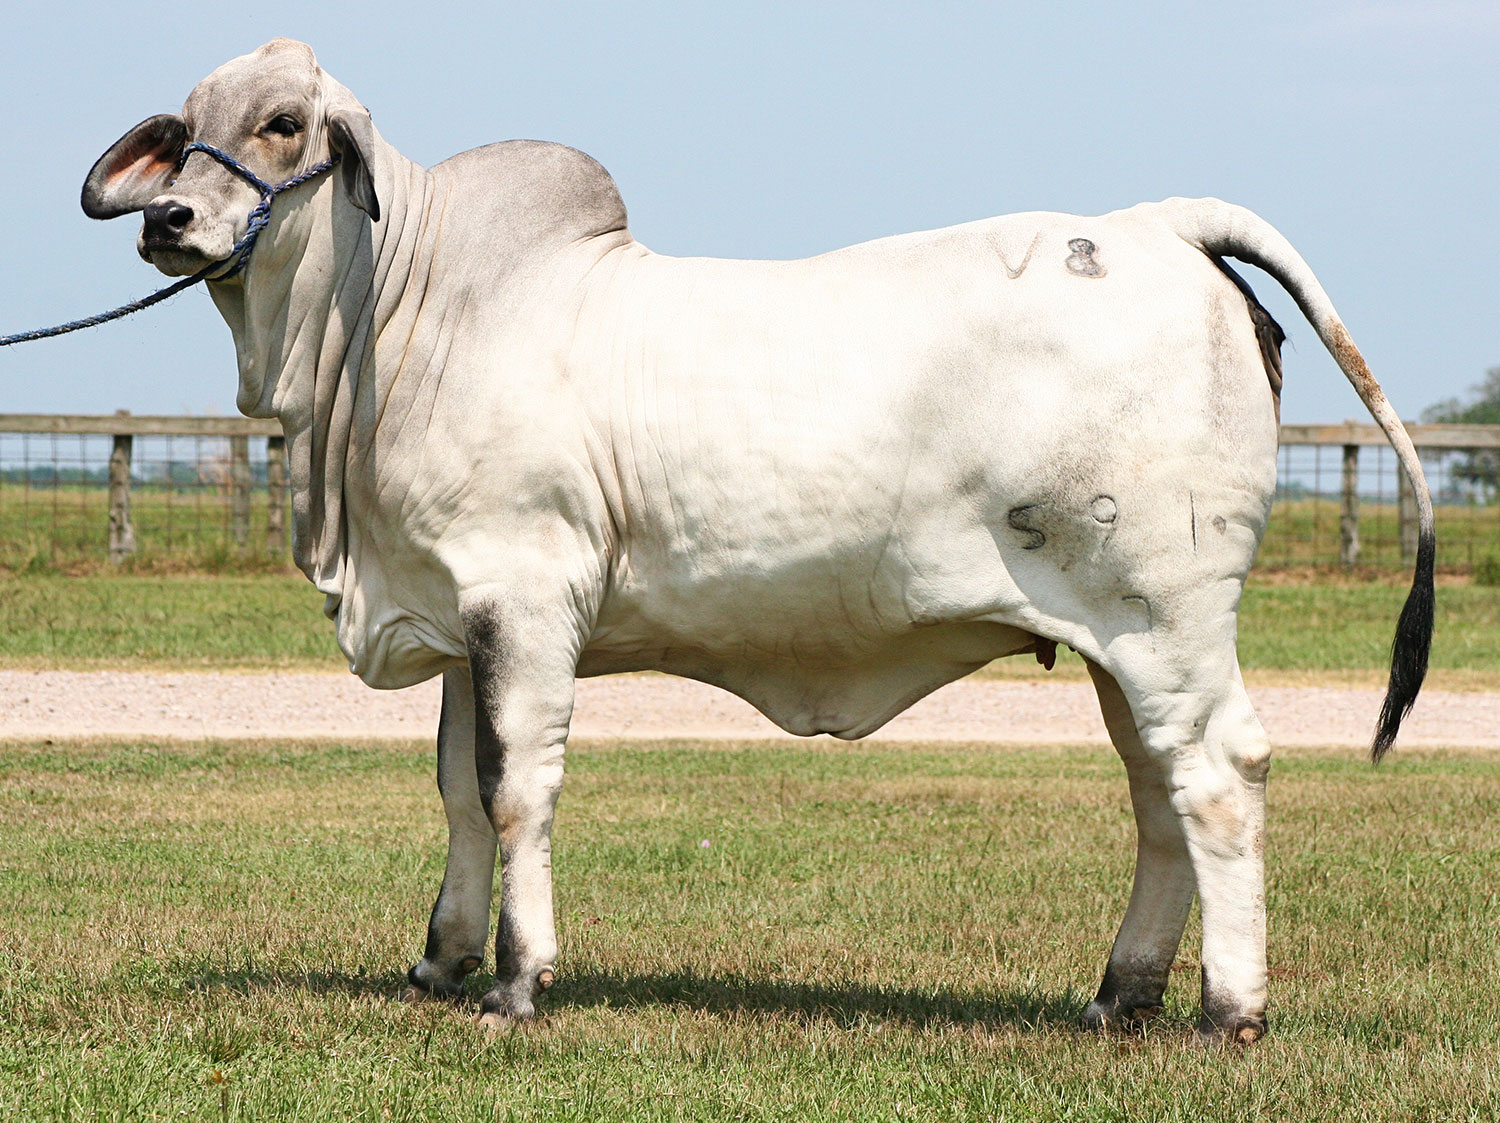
pixel 40 704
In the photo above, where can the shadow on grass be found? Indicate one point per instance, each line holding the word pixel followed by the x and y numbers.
pixel 849 1005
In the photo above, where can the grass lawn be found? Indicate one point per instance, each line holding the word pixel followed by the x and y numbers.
pixel 177 528
pixel 810 931
pixel 179 621
pixel 1306 532
pixel 1295 632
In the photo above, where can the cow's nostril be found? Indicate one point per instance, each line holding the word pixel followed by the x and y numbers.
pixel 167 220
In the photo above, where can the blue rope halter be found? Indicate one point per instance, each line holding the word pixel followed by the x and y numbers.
pixel 239 256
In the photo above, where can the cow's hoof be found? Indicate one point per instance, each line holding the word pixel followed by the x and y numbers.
pixel 508 1004
pixel 493 1023
pixel 504 1011
pixel 429 980
pixel 1242 1031
pixel 1118 1017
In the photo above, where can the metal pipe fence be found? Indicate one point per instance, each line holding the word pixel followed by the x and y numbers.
pixel 196 490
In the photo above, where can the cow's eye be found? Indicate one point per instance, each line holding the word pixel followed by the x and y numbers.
pixel 284 126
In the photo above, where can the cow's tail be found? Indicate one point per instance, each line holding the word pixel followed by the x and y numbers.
pixel 1224 230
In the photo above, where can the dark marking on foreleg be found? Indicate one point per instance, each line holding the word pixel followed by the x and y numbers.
pixel 510 998
pixel 487 661
pixel 523 701
pixel 1131 993
pixel 423 983
pixel 1193 519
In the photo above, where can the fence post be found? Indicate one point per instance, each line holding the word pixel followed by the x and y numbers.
pixel 239 491
pixel 1349 517
pixel 276 495
pixel 1407 514
pixel 121 532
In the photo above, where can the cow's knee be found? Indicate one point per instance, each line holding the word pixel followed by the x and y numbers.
pixel 1209 751
pixel 1238 735
pixel 1250 757
pixel 521 798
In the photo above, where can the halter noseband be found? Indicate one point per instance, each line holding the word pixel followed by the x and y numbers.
pixel 260 216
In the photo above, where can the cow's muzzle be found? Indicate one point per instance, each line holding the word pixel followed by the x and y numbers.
pixel 165 222
pixel 179 238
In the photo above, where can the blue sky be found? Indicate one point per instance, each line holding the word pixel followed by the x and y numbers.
pixel 1369 133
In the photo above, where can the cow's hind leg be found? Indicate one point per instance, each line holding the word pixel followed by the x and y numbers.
pixel 460 924
pixel 1196 723
pixel 523 656
pixel 1140 962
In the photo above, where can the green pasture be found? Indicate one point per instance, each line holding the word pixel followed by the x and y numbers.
pixel 177 528
pixel 1288 631
pixel 1305 532
pixel 805 931
pixel 268 622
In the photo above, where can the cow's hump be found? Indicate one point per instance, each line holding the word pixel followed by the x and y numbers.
pixel 546 192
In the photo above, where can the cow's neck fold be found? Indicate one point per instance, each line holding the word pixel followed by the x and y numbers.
pixel 305 318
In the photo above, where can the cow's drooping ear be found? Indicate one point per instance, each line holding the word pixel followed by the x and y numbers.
pixel 137 168
pixel 352 136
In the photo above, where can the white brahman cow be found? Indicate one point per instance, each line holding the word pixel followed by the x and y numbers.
pixel 525 448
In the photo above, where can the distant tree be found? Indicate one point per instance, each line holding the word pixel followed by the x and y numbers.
pixel 1483 410
pixel 1480 468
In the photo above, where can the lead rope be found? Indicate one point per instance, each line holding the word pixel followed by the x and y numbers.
pixel 238 257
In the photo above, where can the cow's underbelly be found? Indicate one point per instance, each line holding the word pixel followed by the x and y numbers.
pixel 828 633
pixel 829 689
pixel 839 638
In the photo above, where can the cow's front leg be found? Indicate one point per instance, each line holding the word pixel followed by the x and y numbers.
pixel 460 923
pixel 523 655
